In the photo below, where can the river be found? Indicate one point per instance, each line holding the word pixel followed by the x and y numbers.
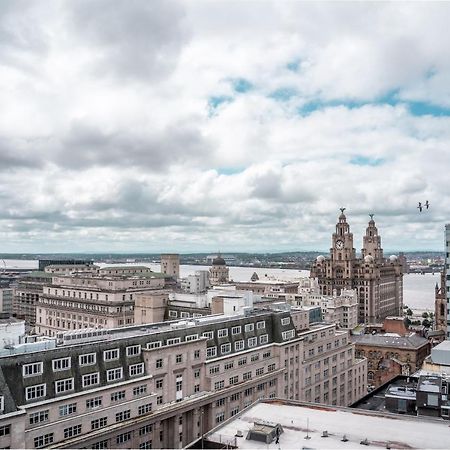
pixel 418 290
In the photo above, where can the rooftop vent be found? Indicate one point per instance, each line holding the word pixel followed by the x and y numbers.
pixel 325 434
pixel 364 442
pixel 265 432
pixel 239 433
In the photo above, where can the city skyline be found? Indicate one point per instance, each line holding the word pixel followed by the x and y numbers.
pixel 241 126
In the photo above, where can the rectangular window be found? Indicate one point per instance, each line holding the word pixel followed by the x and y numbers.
pixel 144 409
pixel 225 348
pixel 123 415
pixel 124 437
pixel 214 369
pixel 145 445
pixel 285 321
pixel 247 376
pixel 38 417
pixel 219 384
pixel 33 369
pixel 220 417
pixel 139 390
pixel 255 357
pixel 266 355
pixel 260 325
pixel 88 359
pixel 179 359
pixel 208 334
pixel 156 344
pixel 288 335
pixel 239 345
pixel 64 385
pixel 236 330
pixel 43 441
pixel 136 369
pixel 146 429
pixel 90 379
pixel 117 396
pixel 66 410
pixel 264 339
pixel 159 400
pixel 114 374
pixel 211 352
pixel 252 342
pixel 242 362
pixel 100 444
pixel 72 431
pixel 133 350
pixel 222 333
pixel 111 355
pixel 196 354
pixel 172 341
pixel 260 371
pixel 159 383
pixel 92 403
pixel 191 337
pixel 5 430
pixel 61 364
pixel 159 363
pixel 228 365
pixel 197 373
pixel 99 423
pixel 249 327
pixel 173 313
pixel 34 392
pixel 234 380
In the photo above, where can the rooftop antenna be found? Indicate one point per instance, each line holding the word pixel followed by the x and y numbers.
pixel 307 426
pixel 371 216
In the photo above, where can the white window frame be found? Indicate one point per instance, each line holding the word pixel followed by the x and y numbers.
pixel 191 337
pixel 87 356
pixel 252 342
pixel 111 355
pixel 151 345
pixel 249 327
pixel 31 388
pixel 285 321
pixel 223 332
pixel 208 334
pixel 89 376
pixel 239 345
pixel 113 371
pixel 264 339
pixel 139 366
pixel 211 352
pixel 225 348
pixel 236 330
pixel 61 361
pixel 63 382
pixel 133 350
pixel 39 369
pixel 173 313
pixel 261 325
pixel 173 341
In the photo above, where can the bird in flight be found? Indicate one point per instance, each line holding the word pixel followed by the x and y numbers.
pixel 420 207
pixel 427 204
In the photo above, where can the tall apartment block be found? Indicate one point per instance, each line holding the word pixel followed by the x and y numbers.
pixel 170 265
pixel 378 280
pixel 447 271
pixel 100 299
pixel 164 385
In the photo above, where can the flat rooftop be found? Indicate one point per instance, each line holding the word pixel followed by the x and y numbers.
pixel 299 419
pixel 376 400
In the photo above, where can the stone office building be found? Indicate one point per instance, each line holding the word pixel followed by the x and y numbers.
pixel 378 281
pixel 163 385
pixel 104 299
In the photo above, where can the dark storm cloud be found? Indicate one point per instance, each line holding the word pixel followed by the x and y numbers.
pixel 87 146
pixel 134 39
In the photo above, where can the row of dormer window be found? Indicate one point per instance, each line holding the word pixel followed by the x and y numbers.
pixel 88 380
pixel 87 359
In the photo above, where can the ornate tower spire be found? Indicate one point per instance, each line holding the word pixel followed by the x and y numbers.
pixel 372 241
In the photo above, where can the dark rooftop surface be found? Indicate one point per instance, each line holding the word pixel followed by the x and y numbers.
pixel 376 400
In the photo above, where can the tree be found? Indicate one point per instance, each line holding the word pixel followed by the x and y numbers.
pixel 426 323
pixel 425 315
pixel 409 312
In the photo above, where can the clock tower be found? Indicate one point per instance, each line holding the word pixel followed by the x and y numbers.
pixel 372 242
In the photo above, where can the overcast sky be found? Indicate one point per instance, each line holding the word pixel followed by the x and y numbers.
pixel 241 126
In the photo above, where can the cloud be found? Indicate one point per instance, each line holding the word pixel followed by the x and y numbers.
pixel 188 126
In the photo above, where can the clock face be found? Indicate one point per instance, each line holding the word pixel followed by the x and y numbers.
pixel 339 244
